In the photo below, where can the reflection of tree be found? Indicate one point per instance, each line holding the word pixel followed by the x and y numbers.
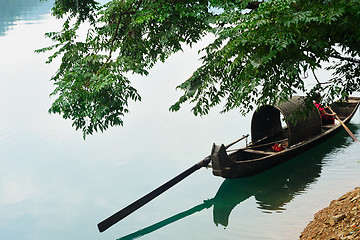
pixel 272 189
pixel 12 10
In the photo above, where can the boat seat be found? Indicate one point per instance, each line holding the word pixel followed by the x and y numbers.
pixel 259 151
pixel 328 126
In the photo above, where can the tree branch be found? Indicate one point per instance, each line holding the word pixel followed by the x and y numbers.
pixel 128 12
pixel 350 59
pixel 315 76
pixel 253 5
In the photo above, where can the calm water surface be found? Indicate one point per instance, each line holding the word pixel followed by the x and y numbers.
pixel 54 185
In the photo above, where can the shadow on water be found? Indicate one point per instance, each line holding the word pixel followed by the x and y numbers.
pixel 272 189
pixel 14 10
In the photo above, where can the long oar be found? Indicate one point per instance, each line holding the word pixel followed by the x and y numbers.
pixel 342 123
pixel 150 196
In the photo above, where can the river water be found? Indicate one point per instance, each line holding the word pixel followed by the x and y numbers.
pixel 55 185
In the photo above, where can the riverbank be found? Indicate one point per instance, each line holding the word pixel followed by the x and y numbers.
pixel 339 221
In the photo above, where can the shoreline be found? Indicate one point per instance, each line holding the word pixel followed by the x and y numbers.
pixel 340 220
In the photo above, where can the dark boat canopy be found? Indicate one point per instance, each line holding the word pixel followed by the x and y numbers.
pixel 266 122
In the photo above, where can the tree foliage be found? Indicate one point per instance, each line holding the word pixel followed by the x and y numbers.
pixel 262 53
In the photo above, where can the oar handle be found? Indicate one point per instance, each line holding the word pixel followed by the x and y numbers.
pixel 343 124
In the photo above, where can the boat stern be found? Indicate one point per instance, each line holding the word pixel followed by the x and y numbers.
pixel 220 160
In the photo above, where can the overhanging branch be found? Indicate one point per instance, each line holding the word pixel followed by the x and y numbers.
pixel 349 59
pixel 253 5
pixel 121 14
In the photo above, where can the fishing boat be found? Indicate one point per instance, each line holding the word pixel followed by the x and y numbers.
pixel 276 138
pixel 270 126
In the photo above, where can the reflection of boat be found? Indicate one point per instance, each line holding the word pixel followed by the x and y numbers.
pixel 266 130
pixel 272 189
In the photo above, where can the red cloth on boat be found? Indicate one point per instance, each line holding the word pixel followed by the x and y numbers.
pixel 278 147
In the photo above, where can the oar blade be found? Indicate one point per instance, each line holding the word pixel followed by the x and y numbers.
pixel 344 126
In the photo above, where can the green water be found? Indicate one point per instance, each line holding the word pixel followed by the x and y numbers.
pixel 54 185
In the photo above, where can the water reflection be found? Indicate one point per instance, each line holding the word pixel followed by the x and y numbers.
pixel 206 204
pixel 272 189
pixel 276 187
pixel 14 10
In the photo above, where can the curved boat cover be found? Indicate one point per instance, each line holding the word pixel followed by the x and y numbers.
pixel 266 122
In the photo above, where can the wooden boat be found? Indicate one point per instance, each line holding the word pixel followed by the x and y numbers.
pixel 267 130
